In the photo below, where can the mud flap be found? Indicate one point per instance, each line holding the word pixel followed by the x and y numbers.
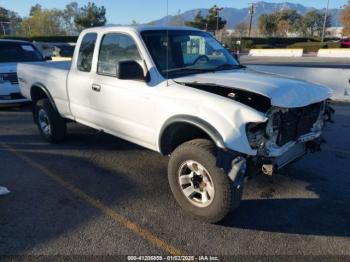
pixel 238 170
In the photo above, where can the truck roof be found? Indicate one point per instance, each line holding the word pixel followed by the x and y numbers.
pixel 138 28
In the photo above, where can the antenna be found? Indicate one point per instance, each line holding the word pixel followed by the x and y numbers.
pixel 167 44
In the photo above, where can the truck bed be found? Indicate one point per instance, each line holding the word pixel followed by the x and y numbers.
pixel 50 75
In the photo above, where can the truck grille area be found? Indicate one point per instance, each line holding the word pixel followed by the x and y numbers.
pixel 9 77
pixel 295 122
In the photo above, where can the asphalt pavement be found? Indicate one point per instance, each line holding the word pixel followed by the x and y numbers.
pixel 99 195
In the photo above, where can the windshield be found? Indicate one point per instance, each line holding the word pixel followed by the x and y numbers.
pixel 187 52
pixel 18 52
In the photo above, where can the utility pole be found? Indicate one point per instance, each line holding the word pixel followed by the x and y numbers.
pixel 325 22
pixel 217 9
pixel 251 12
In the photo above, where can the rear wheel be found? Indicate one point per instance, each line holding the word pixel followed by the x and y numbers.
pixel 198 184
pixel 51 125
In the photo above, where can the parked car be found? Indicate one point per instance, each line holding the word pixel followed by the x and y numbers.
pixel 178 91
pixel 12 52
pixel 345 43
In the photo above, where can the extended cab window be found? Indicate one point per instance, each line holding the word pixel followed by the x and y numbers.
pixel 115 48
pixel 86 52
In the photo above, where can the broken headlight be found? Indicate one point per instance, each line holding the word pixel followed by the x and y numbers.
pixel 256 134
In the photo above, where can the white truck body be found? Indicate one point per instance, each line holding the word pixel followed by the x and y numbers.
pixel 179 92
pixel 136 110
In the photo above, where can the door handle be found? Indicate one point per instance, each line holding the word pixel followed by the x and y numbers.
pixel 96 88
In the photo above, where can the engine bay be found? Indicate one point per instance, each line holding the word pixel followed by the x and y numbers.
pixel 253 100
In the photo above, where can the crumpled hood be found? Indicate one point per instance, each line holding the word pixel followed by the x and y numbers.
pixel 8 67
pixel 283 91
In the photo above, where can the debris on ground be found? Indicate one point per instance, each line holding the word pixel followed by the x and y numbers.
pixel 4 191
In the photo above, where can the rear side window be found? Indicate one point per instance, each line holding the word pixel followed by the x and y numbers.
pixel 86 52
pixel 115 48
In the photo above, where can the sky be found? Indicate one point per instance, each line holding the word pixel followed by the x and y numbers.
pixel 142 11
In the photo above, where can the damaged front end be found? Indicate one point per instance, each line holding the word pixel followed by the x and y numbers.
pixel 287 135
pixel 290 131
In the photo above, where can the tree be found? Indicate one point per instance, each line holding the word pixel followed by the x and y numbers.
pixel 312 23
pixel 43 22
pixel 90 16
pixel 241 29
pixel 287 21
pixel 15 22
pixel 9 21
pixel 214 20
pixel 68 16
pixel 280 23
pixel 34 9
pixel 268 24
pixel 211 22
pixel 198 22
pixel 345 19
pixel 50 22
pixel 3 15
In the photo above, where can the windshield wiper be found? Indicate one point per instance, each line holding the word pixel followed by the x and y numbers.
pixel 206 70
pixel 227 67
pixel 181 69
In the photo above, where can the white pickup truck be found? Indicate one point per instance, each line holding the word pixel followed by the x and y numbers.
pixel 178 91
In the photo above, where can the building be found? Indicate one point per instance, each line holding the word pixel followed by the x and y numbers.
pixel 334 32
pixel 5 28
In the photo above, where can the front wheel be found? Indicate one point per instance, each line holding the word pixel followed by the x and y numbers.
pixel 51 125
pixel 198 184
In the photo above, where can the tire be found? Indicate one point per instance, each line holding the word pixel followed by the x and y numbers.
pixel 223 196
pixel 55 129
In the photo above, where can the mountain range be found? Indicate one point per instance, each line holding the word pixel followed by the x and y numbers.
pixel 233 16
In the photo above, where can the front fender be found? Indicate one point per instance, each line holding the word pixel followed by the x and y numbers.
pixel 231 123
pixel 223 119
pixel 195 121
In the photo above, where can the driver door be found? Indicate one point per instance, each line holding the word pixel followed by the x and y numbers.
pixel 122 107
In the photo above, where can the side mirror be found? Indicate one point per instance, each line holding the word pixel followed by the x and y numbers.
pixel 130 70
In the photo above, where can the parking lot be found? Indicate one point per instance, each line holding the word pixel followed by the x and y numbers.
pixel 99 195
pixel 306 61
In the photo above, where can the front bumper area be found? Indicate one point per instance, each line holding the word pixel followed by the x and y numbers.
pixel 13 98
pixel 240 167
pixel 271 165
